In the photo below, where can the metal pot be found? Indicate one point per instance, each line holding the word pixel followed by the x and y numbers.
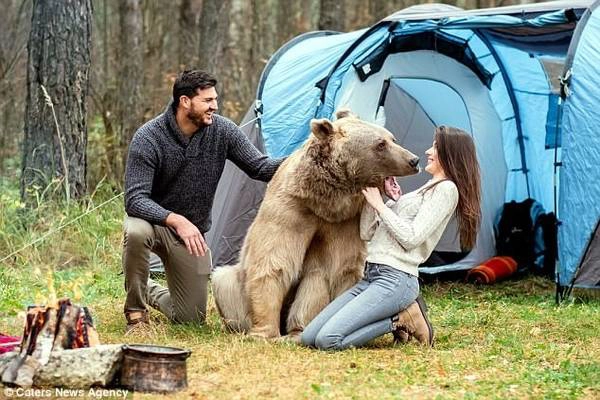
pixel 148 368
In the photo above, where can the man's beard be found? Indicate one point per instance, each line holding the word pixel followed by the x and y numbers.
pixel 196 118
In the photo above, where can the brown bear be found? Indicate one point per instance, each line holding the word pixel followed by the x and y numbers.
pixel 304 242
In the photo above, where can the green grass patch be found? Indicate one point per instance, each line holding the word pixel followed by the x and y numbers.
pixel 504 341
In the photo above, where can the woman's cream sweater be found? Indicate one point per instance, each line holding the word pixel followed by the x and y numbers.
pixel 407 231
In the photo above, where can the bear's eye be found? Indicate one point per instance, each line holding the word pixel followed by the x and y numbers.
pixel 381 145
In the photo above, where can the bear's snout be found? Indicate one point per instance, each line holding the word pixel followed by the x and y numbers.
pixel 414 162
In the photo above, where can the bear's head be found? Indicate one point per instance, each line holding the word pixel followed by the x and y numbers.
pixel 358 152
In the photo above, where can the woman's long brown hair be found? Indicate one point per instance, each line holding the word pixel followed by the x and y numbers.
pixel 456 155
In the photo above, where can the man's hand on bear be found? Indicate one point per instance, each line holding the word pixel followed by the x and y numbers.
pixel 191 236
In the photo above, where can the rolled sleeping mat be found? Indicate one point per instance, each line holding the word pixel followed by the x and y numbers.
pixel 492 270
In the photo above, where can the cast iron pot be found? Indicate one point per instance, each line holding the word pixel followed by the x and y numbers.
pixel 148 368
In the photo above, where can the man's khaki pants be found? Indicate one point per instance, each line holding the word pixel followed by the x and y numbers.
pixel 187 275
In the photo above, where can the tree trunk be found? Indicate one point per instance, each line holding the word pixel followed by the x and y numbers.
pixel 213 35
pixel 265 33
pixel 131 72
pixel 225 51
pixel 237 85
pixel 55 125
pixel 332 16
pixel 189 33
pixel 14 30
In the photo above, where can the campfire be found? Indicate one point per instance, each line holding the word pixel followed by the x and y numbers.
pixel 64 326
pixel 47 332
pixel 60 336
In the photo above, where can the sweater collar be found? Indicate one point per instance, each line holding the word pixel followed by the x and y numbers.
pixel 172 126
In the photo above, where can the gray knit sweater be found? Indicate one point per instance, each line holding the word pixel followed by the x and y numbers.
pixel 167 172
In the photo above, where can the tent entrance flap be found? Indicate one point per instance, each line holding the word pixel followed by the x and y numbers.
pixel 413 107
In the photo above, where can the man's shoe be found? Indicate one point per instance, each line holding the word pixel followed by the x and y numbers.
pixel 413 321
pixel 137 321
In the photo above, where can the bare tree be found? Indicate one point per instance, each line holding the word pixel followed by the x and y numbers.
pixel 189 32
pixel 161 47
pixel 296 17
pixel 266 31
pixel 225 50
pixel 213 33
pixel 57 84
pixel 332 16
pixel 14 27
pixel 238 83
pixel 103 144
pixel 130 78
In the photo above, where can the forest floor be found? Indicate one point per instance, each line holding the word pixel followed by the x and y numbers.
pixel 508 340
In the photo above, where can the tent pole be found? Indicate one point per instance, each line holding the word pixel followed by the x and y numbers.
pixel 557 164
pixel 557 296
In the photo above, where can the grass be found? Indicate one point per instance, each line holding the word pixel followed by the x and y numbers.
pixel 503 341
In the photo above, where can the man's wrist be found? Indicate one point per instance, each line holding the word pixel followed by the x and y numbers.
pixel 172 219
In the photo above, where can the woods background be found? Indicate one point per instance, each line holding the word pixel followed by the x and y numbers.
pixel 126 54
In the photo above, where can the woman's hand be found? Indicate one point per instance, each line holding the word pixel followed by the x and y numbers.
pixel 392 189
pixel 373 197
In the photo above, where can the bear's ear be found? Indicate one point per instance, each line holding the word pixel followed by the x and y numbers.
pixel 344 113
pixel 321 128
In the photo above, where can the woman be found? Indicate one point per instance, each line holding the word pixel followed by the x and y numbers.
pixel 402 234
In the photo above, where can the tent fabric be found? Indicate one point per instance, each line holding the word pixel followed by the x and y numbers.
pixel 579 209
pixel 498 79
pixel 588 275
pixel 274 60
pixel 531 92
pixel 447 23
pixel 289 103
pixel 435 11
pixel 236 203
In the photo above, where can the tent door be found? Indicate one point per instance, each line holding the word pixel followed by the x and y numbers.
pixel 413 107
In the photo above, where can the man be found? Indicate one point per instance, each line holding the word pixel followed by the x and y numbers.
pixel 174 165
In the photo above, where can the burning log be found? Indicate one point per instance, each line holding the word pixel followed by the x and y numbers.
pixel 49 329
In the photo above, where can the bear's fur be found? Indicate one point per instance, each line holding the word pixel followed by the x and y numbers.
pixel 305 239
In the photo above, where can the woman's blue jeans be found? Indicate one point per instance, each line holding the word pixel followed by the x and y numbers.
pixel 364 311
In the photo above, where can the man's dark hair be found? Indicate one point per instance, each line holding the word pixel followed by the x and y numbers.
pixel 189 81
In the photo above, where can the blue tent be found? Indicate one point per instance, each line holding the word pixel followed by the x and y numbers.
pixel 521 79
